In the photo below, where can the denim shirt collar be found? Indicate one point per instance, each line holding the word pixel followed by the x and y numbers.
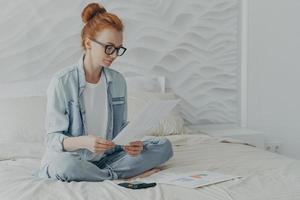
pixel 81 74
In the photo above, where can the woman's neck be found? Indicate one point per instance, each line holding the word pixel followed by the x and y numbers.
pixel 92 73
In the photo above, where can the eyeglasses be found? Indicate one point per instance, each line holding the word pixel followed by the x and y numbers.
pixel 110 49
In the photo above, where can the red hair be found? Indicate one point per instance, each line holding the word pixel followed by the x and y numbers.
pixel 96 19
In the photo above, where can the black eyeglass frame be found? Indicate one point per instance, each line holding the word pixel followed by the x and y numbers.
pixel 107 46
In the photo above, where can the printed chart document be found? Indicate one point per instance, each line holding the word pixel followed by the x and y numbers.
pixel 192 179
pixel 145 121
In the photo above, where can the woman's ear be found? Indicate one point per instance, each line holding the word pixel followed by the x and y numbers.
pixel 87 43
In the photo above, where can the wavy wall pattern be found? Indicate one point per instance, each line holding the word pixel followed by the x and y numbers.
pixel 194 44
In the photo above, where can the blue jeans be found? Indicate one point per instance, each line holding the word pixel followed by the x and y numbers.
pixel 116 164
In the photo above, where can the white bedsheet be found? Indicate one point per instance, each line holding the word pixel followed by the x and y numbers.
pixel 266 175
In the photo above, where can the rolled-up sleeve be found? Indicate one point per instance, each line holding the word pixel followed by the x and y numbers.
pixel 56 120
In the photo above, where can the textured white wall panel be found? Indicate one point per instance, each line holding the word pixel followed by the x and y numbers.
pixel 193 43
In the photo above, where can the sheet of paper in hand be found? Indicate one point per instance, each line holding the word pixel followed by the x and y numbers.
pixel 146 121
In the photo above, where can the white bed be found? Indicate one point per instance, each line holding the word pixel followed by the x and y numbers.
pixel 265 175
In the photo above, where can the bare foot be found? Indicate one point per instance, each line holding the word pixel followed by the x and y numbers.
pixel 145 174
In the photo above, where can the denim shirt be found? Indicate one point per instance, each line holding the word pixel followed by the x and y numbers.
pixel 65 116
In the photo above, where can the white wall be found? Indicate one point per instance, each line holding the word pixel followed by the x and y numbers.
pixel 194 44
pixel 274 71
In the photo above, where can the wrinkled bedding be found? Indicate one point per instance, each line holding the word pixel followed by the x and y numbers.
pixel 265 175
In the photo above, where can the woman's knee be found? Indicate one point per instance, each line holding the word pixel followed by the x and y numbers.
pixel 167 149
pixel 63 168
pixel 162 146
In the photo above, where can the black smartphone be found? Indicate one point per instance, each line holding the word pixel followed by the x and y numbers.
pixel 137 185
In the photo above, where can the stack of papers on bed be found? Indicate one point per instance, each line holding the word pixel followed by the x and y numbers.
pixel 193 179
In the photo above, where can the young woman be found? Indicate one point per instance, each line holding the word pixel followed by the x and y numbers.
pixel 87 108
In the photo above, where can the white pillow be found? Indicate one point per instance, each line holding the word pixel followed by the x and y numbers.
pixel 146 83
pixel 22 119
pixel 172 125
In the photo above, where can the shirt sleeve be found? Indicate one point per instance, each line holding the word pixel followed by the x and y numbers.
pixel 56 120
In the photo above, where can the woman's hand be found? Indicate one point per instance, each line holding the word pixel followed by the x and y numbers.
pixel 96 144
pixel 134 148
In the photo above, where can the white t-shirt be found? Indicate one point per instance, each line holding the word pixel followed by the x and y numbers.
pixel 95 100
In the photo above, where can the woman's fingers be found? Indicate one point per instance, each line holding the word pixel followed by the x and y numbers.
pixel 136 143
pixel 102 146
pixel 134 148
pixel 133 152
pixel 104 143
pixel 96 144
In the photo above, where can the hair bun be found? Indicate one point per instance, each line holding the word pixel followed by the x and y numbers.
pixel 91 10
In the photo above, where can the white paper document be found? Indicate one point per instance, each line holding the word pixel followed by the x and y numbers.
pixel 192 179
pixel 145 121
